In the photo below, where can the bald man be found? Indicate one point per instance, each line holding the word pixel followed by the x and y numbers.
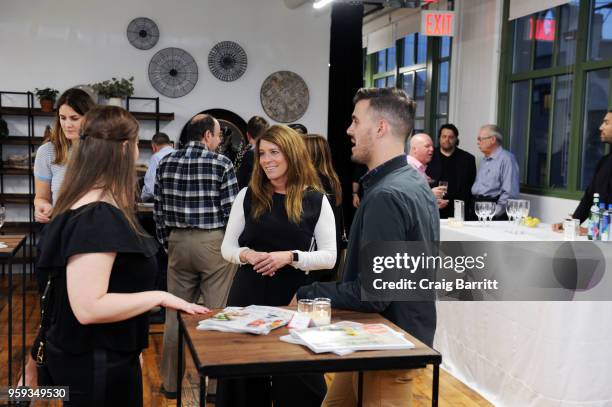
pixel 421 151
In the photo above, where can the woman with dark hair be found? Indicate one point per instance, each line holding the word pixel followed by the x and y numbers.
pixel 272 228
pixel 320 155
pixel 102 269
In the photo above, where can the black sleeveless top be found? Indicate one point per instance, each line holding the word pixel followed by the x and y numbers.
pixel 97 228
pixel 273 231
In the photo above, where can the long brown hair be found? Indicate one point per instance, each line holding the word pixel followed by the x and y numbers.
pixel 81 103
pixel 102 160
pixel 320 154
pixel 300 173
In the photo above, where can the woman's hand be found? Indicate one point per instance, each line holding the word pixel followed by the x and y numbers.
pixel 275 261
pixel 252 257
pixel 42 212
pixel 178 304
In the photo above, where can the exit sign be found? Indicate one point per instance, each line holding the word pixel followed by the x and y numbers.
pixel 438 23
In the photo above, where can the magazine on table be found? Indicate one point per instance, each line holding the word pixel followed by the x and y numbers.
pixel 254 319
pixel 347 337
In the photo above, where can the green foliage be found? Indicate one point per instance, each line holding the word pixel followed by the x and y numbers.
pixel 115 88
pixel 46 93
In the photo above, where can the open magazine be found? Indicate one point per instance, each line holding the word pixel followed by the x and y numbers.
pixel 347 337
pixel 254 319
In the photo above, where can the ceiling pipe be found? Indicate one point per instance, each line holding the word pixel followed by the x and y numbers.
pixel 293 4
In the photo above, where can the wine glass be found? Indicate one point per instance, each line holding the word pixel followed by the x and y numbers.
pixel 511 211
pixel 444 185
pixel 478 209
pixel 524 212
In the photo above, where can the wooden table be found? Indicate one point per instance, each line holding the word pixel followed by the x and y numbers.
pixel 223 355
pixel 14 242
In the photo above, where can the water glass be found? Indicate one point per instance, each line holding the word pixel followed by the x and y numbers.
pixel 459 213
pixel 480 210
pixel 444 185
pixel 570 228
pixel 305 306
pixel 321 314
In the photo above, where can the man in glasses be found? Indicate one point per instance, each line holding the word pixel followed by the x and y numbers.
pixel 497 179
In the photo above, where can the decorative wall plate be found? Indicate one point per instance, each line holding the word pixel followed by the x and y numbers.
pixel 227 61
pixel 143 33
pixel 173 72
pixel 284 96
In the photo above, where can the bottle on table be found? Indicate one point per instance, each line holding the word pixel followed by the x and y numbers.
pixel 594 218
pixel 604 224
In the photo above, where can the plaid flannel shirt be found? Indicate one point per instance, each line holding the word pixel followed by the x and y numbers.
pixel 194 188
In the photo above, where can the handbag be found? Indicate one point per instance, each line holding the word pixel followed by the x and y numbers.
pixel 39 349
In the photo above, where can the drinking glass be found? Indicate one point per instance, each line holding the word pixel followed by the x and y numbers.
pixel 305 306
pixel 570 228
pixel 321 314
pixel 444 185
pixel 479 208
pixel 524 212
pixel 492 206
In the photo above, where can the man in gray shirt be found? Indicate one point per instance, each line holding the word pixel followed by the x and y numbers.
pixel 497 179
pixel 397 206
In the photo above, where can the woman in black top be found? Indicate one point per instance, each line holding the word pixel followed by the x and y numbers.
pixel 102 269
pixel 272 229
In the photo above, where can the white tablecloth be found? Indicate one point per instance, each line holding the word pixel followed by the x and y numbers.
pixel 527 353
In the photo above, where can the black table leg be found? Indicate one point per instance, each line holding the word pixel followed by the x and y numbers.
pixel 179 373
pixel 23 318
pixel 10 322
pixel 202 391
pixel 360 389
pixel 435 385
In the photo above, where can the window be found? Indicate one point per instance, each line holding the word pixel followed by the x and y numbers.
pixel 556 93
pixel 406 66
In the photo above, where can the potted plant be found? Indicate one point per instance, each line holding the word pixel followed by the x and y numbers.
pixel 46 97
pixel 115 90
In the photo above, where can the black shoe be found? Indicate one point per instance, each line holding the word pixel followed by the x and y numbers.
pixel 167 394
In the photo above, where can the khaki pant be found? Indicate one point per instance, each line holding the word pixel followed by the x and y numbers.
pixel 385 388
pixel 195 266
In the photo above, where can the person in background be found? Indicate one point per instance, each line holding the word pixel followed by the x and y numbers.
pixel 194 191
pixel 52 156
pixel 420 147
pixel 161 147
pixel 299 127
pixel 255 127
pixel 271 233
pixel 320 155
pixel 396 206
pixel 497 179
pixel 102 267
pixel 49 169
pixel 601 182
pixel 453 165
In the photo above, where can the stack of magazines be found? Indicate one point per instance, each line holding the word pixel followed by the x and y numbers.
pixel 346 337
pixel 254 319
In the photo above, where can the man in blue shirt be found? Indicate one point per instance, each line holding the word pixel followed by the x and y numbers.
pixel 497 179
pixel 161 146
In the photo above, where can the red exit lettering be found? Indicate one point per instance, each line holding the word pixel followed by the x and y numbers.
pixel 438 24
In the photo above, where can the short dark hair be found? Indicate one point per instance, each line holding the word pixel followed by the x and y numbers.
pixel 256 126
pixel 299 127
pixel 393 104
pixel 160 139
pixel 449 126
pixel 199 125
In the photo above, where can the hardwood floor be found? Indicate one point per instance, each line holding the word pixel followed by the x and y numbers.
pixel 453 393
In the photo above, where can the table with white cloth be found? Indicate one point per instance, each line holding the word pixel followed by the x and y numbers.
pixel 526 353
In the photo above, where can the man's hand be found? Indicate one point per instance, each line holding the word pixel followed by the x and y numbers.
pixel 439 192
pixel 557 227
pixel 442 203
pixel 355 201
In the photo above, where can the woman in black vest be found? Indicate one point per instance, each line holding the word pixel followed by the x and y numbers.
pixel 274 226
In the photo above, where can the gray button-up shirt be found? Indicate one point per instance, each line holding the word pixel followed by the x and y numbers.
pixel 498 175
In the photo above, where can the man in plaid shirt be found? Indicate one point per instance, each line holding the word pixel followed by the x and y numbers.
pixel 194 191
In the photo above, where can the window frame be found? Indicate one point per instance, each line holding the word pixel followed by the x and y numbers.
pixel 579 70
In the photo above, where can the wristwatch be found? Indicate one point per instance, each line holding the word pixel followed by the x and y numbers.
pixel 296 256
